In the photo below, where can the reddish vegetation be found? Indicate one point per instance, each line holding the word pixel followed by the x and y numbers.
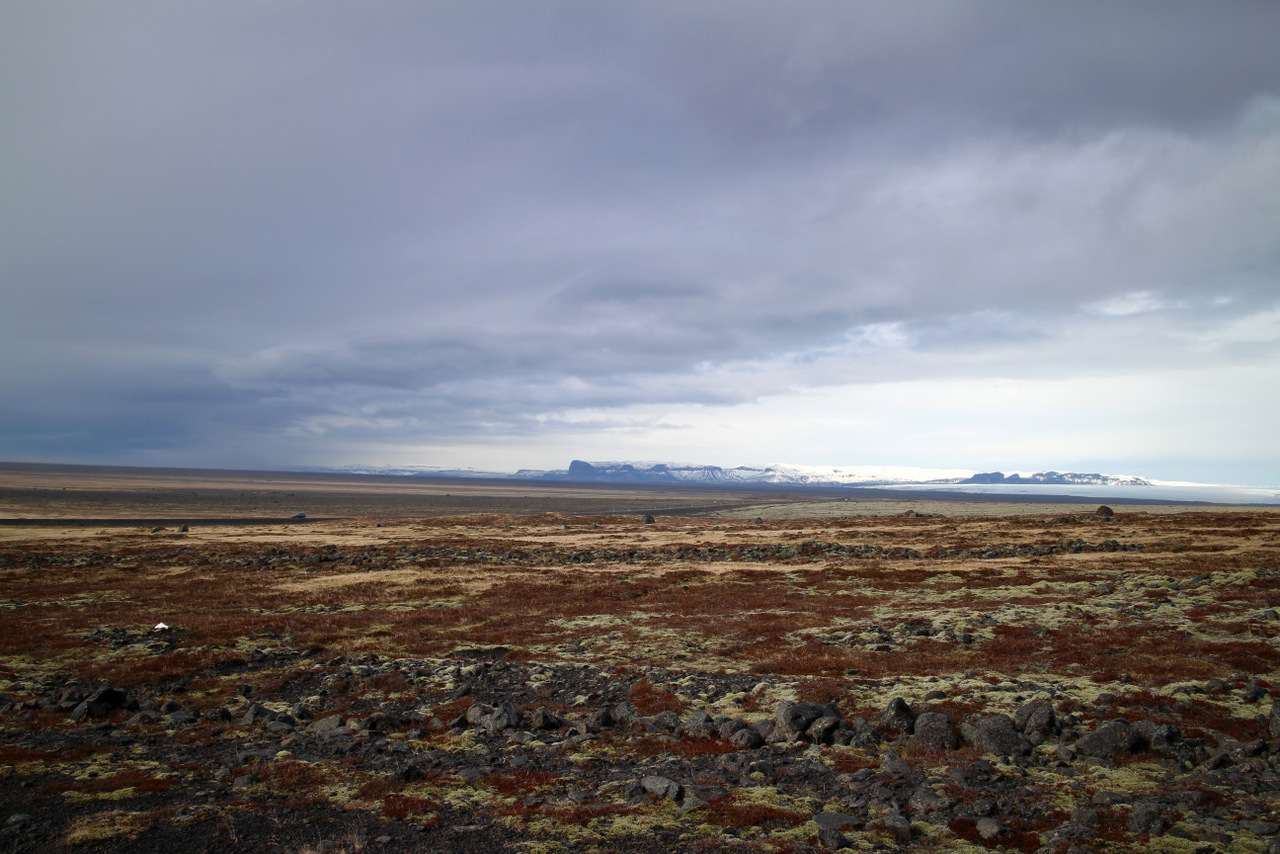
pixel 401 807
pixel 520 783
pixel 293 621
pixel 129 779
pixel 687 747
pixel 730 813
pixel 648 700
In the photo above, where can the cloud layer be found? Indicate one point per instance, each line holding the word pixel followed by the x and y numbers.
pixel 498 233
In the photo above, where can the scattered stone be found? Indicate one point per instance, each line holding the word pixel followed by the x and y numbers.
pixel 504 717
pixel 989 829
pixel 792 720
pixel 667 720
pixel 823 730
pixel 1158 736
pixel 1110 739
pixel 1086 817
pixel 898 717
pixel 541 719
pixel 995 734
pixel 934 731
pixel 1261 828
pixel 1145 819
pixel 829 837
pixel 897 826
pixel 1253 693
pixel 661 787
pixel 330 725
pixel 836 821
pixel 697 725
pixel 1036 716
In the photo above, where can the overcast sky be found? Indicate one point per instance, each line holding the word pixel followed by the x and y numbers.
pixel 989 235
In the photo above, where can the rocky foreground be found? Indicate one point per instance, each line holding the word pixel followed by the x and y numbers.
pixel 1067 683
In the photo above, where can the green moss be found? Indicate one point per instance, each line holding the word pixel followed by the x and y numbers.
pixel 1134 779
pixel 1171 845
pixel 99 827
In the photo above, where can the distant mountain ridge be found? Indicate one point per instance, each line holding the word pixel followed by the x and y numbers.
pixel 626 472
pixel 1068 478
pixel 776 475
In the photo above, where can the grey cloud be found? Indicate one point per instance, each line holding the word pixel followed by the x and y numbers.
pixel 466 218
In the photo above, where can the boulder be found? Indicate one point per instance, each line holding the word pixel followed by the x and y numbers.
pixel 995 734
pixel 728 727
pixel 792 720
pixel 1145 819
pixel 112 697
pixel 830 837
pixel 255 714
pixel 69 699
pixel 836 821
pixel 541 719
pixel 661 787
pixel 823 730
pixel 504 717
pixel 476 714
pixel 698 725
pixel 328 725
pixel 858 733
pixel 1110 739
pixel 382 721
pixel 989 829
pixel 898 717
pixel 667 720
pixel 897 826
pixel 86 710
pixel 924 799
pixel 1036 716
pixel 1158 736
pixel 934 731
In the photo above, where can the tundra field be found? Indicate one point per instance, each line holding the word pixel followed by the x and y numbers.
pixel 455 666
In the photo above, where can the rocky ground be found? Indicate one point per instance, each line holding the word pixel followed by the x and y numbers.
pixel 1037 682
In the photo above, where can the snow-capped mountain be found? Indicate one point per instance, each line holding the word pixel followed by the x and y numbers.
pixel 1069 478
pixel 638 472
pixel 907 479
pixel 777 475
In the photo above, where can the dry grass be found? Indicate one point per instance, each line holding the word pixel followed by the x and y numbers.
pixel 538 592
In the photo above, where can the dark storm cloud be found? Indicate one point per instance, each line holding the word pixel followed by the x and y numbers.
pixel 450 218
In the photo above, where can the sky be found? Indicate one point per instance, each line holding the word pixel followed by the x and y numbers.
pixel 502 235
